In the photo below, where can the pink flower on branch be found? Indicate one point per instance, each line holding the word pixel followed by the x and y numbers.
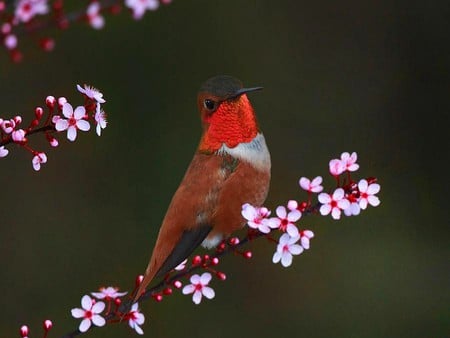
pixel 257 218
pixel 135 319
pixel 38 159
pixel 91 92
pixel 93 15
pixel 139 7
pixel 311 186
pixel 367 194
pixel 286 248
pixel 28 9
pixel 90 312
pixel 108 293
pixel 285 221
pixel 333 203
pixel 75 120
pixel 199 287
pixel 3 151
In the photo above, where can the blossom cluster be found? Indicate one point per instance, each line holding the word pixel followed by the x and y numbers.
pixel 348 198
pixel 24 16
pixel 59 116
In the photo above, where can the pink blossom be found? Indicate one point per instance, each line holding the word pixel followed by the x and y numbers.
pixel 3 151
pixel 292 205
pixel 353 209
pixel 8 126
pixel 47 324
pixel 181 266
pixel 285 221
pixel 367 194
pixel 27 9
pixel 199 287
pixel 75 120
pixel 100 119
pixel 333 203
pixel 135 318
pixel 90 313
pixel 349 161
pixel 311 186
pixel 92 93
pixel 93 15
pixel 18 135
pixel 10 41
pixel 337 167
pixel 140 6
pixel 257 217
pixel 305 236
pixel 286 248
pixel 108 293
pixel 38 159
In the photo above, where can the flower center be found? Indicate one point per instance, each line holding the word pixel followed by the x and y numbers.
pixel 88 314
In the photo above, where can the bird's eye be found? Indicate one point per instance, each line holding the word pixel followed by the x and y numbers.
pixel 209 104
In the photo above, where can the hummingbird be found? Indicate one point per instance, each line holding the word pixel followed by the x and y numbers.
pixel 231 167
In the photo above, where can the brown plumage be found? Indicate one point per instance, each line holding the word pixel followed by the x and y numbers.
pixel 230 168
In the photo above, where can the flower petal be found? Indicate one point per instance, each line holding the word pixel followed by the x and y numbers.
pixel 208 292
pixel 86 302
pixel 98 307
pixel 84 325
pixel 98 320
pixel 67 110
pixel 205 278
pixel 61 124
pixel 77 313
pixel 72 133
pixel 286 259
pixel 79 112
pixel 83 125
pixel 188 289
pixel 197 297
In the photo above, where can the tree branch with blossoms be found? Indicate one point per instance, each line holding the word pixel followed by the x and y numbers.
pixel 22 17
pixel 58 116
pixel 348 198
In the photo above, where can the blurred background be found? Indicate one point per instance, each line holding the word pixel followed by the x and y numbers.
pixel 370 77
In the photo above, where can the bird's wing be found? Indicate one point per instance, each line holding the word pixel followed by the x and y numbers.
pixel 187 221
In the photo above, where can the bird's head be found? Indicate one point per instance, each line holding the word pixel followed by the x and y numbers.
pixel 226 113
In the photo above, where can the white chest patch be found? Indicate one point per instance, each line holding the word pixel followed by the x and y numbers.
pixel 210 243
pixel 255 152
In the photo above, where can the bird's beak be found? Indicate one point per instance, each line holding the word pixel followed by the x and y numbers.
pixel 243 91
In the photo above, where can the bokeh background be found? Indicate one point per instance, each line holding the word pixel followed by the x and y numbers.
pixel 368 76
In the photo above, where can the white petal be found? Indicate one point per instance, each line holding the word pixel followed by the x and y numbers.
pixel 83 125
pixel 292 230
pixel 67 110
pixel 286 259
pixel 98 307
pixel 373 201
pixel 294 216
pixel 363 203
pixel 338 194
pixel 281 212
pixel 316 181
pixel 208 292
pixel 77 313
pixel 305 242
pixel 304 183
pixel 343 204
pixel 296 249
pixel 195 279
pixel 205 278
pixel 325 209
pixel 98 320
pixel 308 233
pixel 98 129
pixel 336 213
pixel 197 297
pixel 248 212
pixel 324 198
pixel 84 325
pixel 79 112
pixel 138 330
pixel 86 302
pixel 188 289
pixel 276 257
pixel 61 124
pixel 72 133
pixel 140 319
pixel 284 239
pixel 362 185
pixel 373 189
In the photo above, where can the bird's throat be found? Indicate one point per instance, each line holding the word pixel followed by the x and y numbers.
pixel 232 123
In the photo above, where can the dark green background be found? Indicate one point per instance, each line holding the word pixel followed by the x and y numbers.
pixel 370 77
